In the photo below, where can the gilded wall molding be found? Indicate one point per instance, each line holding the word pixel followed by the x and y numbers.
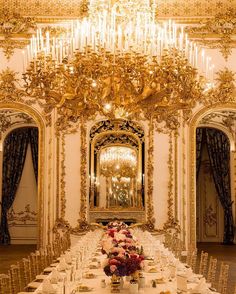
pixel 9 87
pixel 172 222
pixel 184 182
pixel 82 221
pixel 62 177
pixel 176 173
pixel 150 170
pixel 62 128
pixel 26 216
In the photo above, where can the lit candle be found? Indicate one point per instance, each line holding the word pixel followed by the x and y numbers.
pixel 23 53
pixel 203 60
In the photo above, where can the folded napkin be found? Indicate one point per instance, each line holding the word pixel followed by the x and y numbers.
pixel 62 266
pixel 68 258
pixel 181 283
pixel 47 287
pixel 201 287
pixel 55 276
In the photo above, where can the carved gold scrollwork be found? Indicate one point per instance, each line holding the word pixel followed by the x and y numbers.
pixel 83 173
pixel 225 90
pixel 150 209
pixel 223 28
pixel 172 222
pixel 11 26
pixel 25 216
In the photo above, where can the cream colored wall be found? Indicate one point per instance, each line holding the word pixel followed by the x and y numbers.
pixel 72 177
pixel 160 178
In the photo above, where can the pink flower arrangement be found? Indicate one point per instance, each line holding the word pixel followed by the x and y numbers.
pixel 122 251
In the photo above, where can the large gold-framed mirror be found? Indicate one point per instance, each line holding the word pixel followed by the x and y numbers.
pixel 117 166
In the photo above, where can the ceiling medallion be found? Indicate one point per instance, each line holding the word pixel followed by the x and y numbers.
pixel 118 62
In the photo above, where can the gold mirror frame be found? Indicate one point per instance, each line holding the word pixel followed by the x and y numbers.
pixel 191 212
pixel 40 125
pixel 118 127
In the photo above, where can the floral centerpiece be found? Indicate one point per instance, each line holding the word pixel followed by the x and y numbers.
pixel 124 256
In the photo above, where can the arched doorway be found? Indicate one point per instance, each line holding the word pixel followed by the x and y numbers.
pixel 19 215
pixel 24 116
pixel 209 206
pixel 220 117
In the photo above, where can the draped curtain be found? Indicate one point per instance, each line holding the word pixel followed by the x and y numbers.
pixel 15 148
pixel 33 136
pixel 199 136
pixel 218 148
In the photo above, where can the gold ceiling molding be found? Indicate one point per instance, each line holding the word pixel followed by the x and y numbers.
pixel 74 8
pixel 12 25
pixel 222 28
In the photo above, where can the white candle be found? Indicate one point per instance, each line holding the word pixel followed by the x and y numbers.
pixel 23 53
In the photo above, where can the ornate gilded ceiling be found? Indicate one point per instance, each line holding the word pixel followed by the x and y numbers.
pixel 73 8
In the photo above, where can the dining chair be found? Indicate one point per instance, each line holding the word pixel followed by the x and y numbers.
pixel 223 278
pixel 211 273
pixel 5 284
pixel 203 263
pixel 16 278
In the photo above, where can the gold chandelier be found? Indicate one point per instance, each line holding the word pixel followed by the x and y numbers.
pixel 119 61
pixel 119 162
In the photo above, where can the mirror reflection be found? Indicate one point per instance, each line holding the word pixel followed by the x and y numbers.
pixel 117 170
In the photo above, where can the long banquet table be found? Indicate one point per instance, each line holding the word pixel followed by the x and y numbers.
pixel 93 278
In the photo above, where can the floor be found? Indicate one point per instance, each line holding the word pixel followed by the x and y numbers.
pixel 10 254
pixel 13 253
pixel 226 253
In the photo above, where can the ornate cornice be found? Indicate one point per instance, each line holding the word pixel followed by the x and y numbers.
pixel 217 32
pixel 12 25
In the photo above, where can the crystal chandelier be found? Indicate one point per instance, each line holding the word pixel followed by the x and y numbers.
pixel 117 61
pixel 118 162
